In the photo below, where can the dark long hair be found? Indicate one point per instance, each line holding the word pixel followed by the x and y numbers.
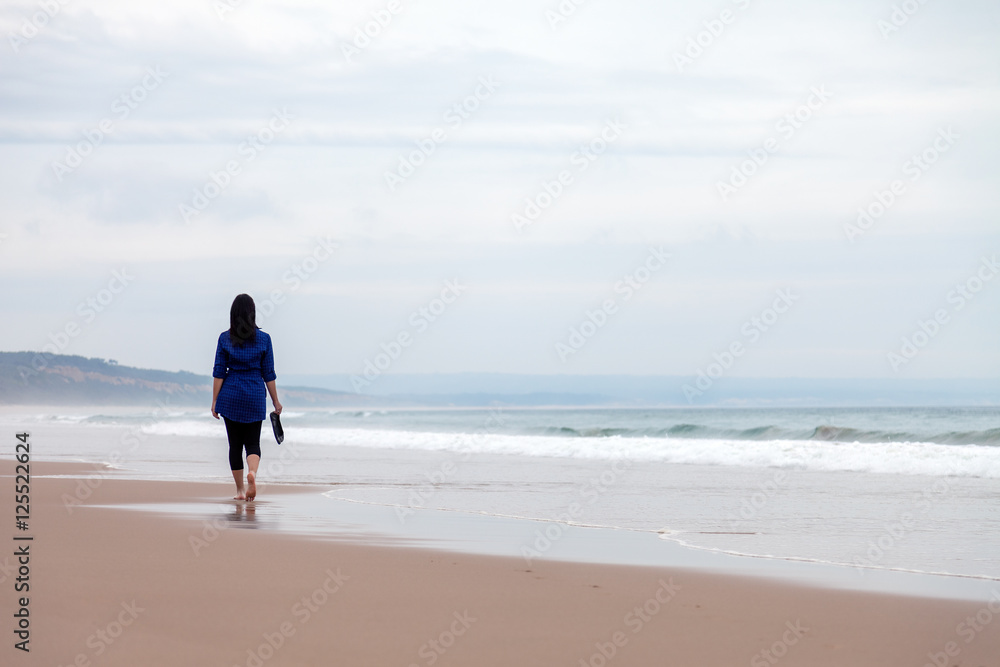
pixel 243 320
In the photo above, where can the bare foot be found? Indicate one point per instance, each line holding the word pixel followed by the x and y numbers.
pixel 239 496
pixel 251 486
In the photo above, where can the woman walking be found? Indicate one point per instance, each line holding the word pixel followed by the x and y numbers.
pixel 244 366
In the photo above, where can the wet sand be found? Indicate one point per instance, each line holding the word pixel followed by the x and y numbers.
pixel 114 587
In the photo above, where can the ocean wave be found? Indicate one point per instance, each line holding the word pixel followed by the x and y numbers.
pixel 825 433
pixel 901 458
pixel 620 424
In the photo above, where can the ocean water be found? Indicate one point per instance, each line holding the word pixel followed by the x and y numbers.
pixel 915 489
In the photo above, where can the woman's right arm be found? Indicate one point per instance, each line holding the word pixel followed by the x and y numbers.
pixel 273 391
pixel 267 373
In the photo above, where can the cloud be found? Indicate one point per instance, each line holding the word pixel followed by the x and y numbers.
pixel 356 119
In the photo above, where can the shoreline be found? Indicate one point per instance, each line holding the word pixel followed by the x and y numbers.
pixel 307 511
pixel 168 590
pixel 896 522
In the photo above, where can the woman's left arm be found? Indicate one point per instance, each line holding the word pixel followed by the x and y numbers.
pixel 216 386
pixel 218 373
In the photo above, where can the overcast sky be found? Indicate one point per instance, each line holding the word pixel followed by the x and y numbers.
pixel 115 116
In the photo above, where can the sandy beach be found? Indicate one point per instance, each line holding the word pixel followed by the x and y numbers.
pixel 556 334
pixel 116 587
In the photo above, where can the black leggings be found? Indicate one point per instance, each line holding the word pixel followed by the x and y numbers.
pixel 242 435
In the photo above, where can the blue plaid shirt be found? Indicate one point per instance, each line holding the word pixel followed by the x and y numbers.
pixel 244 369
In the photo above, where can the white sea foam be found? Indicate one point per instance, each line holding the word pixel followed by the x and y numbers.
pixel 901 458
pixel 186 429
